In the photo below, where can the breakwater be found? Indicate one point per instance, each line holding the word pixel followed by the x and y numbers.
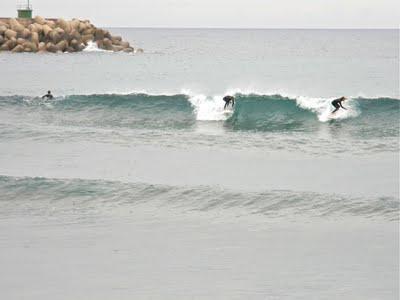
pixel 56 35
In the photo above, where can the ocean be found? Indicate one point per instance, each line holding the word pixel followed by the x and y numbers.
pixel 135 183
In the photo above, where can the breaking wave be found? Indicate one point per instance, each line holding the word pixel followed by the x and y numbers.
pixel 251 111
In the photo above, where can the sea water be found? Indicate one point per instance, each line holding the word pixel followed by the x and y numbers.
pixel 133 182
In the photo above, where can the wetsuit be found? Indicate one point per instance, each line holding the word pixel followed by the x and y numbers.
pixel 48 96
pixel 228 99
pixel 337 103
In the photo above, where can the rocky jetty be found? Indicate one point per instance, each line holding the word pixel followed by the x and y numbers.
pixel 56 35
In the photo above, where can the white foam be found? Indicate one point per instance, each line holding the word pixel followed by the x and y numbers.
pixel 92 47
pixel 323 108
pixel 207 108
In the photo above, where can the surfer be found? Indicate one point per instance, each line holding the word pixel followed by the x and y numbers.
pixel 337 103
pixel 48 96
pixel 228 100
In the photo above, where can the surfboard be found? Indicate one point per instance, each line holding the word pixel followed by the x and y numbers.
pixel 228 111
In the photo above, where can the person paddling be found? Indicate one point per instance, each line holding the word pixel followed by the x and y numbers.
pixel 48 96
pixel 337 103
pixel 228 100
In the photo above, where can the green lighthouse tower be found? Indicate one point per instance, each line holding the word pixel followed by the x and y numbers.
pixel 24 10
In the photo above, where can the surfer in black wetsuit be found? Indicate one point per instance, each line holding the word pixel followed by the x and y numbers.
pixel 228 100
pixel 337 103
pixel 48 96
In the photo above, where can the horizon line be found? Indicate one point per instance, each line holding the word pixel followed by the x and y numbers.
pixel 255 28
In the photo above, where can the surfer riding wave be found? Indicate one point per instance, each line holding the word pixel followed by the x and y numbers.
pixel 228 100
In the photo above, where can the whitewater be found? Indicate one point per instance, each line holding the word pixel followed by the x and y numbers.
pixel 135 183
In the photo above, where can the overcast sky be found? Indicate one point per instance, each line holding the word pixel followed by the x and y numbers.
pixel 222 13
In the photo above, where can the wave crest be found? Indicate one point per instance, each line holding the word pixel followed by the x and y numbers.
pixel 251 112
pixel 87 195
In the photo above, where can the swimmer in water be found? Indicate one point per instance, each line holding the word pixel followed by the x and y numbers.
pixel 48 96
pixel 337 103
pixel 228 100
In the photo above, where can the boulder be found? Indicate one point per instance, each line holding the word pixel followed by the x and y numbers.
pixel 88 31
pixel 46 29
pixel 107 34
pixel 117 48
pixel 87 37
pixel 20 41
pixel 100 44
pixel 11 43
pixel 9 34
pixel 2 40
pixel 139 50
pixel 39 28
pixel 99 34
pixel 81 47
pixel 51 24
pixel 60 31
pixel 8 44
pixel 42 46
pixel 30 45
pixel 15 25
pixel 124 44
pixel 54 37
pixel 64 25
pixel 62 45
pixel 50 47
pixel 75 24
pixel 74 35
pixel 116 43
pixel 107 44
pixel 128 50
pixel 17 49
pixel 74 44
pixel 25 22
pixel 35 38
pixel 36 28
pixel 3 29
pixel 82 26
pixel 70 50
pixel 116 38
pixel 32 27
pixel 90 25
pixel 39 20
pixel 26 33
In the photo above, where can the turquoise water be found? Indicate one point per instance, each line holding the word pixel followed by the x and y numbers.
pixel 368 126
